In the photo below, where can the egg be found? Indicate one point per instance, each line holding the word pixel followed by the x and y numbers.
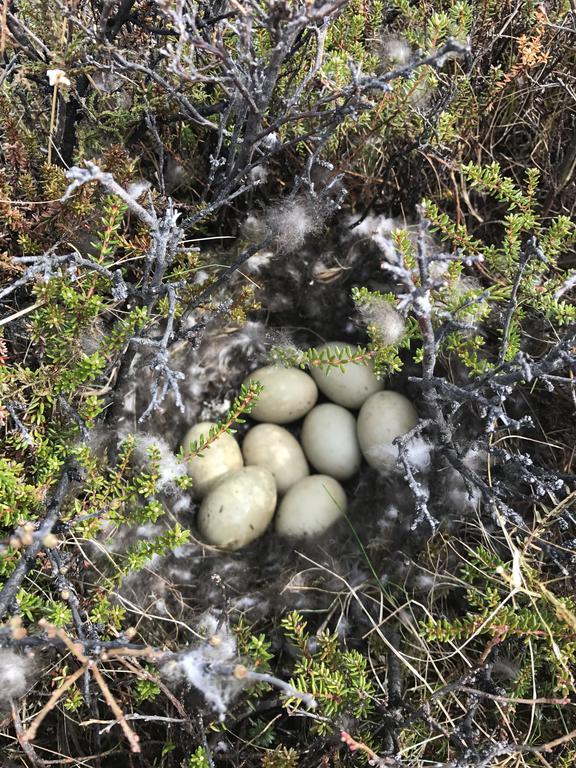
pixel 351 387
pixel 383 417
pixel 239 509
pixel 310 507
pixel 217 460
pixel 330 442
pixel 288 394
pixel 273 447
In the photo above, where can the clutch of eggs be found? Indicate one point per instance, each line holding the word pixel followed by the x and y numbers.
pixel 239 488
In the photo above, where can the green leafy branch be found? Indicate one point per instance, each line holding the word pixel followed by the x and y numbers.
pixel 327 359
pixel 241 406
pixel 337 678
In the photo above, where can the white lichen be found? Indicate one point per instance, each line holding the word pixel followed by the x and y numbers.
pixel 378 230
pixel 138 187
pixel 425 581
pixel 293 222
pixel 258 174
pixel 207 667
pixel 170 468
pixel 287 224
pixel 15 674
pixel 258 262
pixel 384 319
pixel 254 228
pixel 418 453
pixel 395 51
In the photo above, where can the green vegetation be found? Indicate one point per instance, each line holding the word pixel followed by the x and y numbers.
pixel 125 179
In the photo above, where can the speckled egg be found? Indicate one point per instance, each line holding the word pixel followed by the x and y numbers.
pixel 239 509
pixel 217 460
pixel 351 387
pixel 273 447
pixel 383 417
pixel 310 507
pixel 330 442
pixel 288 394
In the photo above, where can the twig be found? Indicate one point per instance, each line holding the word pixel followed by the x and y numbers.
pixel 132 737
pixel 373 758
pixel 28 749
pixel 30 733
pixel 530 249
pixel 92 172
pixel 240 672
pixel 133 716
pixel 27 559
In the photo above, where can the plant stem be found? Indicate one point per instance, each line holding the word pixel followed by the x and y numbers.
pixel 52 121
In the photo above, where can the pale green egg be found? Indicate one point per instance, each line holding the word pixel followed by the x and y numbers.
pixel 288 394
pixel 310 507
pixel 330 442
pixel 239 509
pixel 350 387
pixel 218 459
pixel 382 418
pixel 273 447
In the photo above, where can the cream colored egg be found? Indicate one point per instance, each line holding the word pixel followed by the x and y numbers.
pixel 273 447
pixel 330 442
pixel 351 387
pixel 239 509
pixel 383 417
pixel 288 394
pixel 217 460
pixel 310 507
